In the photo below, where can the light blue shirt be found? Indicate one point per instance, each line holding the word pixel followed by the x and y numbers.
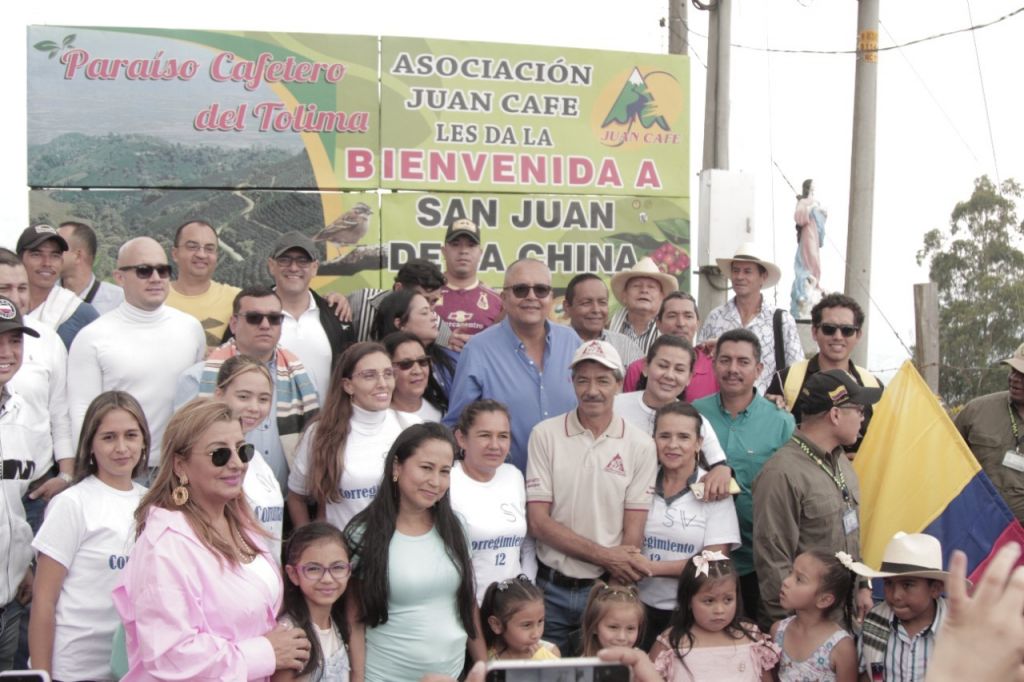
pixel 494 364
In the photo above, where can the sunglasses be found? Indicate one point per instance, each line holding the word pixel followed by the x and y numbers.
pixel 221 456
pixel 523 290
pixel 315 572
pixel 406 365
pixel 848 330
pixel 146 271
pixel 256 319
pixel 287 261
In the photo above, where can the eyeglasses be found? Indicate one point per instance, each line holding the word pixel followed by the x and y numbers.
pixel 288 261
pixel 406 365
pixel 221 456
pixel 853 406
pixel 315 572
pixel 374 374
pixel 146 271
pixel 523 290
pixel 195 247
pixel 848 330
pixel 256 318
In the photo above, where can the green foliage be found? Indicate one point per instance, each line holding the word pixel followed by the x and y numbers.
pixel 979 271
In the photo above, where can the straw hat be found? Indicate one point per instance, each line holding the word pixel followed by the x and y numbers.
pixel 911 555
pixel 645 267
pixel 750 252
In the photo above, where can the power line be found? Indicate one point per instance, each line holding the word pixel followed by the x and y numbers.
pixel 932 95
pixel 880 49
pixel 984 97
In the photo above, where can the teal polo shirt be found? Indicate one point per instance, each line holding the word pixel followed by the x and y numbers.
pixel 749 440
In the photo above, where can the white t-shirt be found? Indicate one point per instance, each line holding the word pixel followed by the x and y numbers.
pixel 264 495
pixel 369 439
pixel 679 528
pixel 631 407
pixel 427 413
pixel 494 516
pixel 89 529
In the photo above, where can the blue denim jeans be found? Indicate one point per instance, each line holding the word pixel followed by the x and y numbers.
pixel 563 614
pixel 9 620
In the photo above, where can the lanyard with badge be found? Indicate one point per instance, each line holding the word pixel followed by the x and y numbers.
pixel 850 523
pixel 1014 459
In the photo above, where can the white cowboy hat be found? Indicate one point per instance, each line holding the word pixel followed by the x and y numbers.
pixel 749 252
pixel 911 555
pixel 645 267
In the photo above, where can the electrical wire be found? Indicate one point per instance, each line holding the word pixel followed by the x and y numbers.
pixel 916 41
pixel 984 96
pixel 932 95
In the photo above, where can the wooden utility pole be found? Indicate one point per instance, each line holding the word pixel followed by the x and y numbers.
pixel 862 168
pixel 926 325
pixel 713 287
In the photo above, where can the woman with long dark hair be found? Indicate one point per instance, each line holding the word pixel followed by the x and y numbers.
pixel 83 543
pixel 410 603
pixel 340 458
pixel 407 311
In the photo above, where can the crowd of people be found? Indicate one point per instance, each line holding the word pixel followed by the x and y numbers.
pixel 206 482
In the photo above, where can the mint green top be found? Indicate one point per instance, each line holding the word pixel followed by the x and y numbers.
pixel 748 440
pixel 424 633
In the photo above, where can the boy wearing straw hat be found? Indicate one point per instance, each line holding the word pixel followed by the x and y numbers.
pixel 898 635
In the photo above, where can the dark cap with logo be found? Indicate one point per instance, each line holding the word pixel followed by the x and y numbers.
pixel 824 390
pixel 462 227
pixel 32 237
pixel 293 240
pixel 11 320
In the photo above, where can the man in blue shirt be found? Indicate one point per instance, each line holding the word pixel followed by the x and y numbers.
pixel 523 361
pixel 750 428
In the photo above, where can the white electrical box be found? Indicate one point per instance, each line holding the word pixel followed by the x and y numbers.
pixel 726 213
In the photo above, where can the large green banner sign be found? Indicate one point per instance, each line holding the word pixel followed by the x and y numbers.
pixel 575 157
pixel 507 118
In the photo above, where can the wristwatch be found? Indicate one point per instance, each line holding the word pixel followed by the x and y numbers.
pixel 66 477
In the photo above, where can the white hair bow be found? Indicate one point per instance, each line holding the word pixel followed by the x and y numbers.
pixel 845 559
pixel 702 560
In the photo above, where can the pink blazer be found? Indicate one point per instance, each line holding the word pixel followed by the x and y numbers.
pixel 187 616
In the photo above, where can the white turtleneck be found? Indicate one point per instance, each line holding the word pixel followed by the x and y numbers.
pixel 369 438
pixel 139 351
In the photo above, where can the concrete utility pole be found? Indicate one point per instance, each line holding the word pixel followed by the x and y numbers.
pixel 862 168
pixel 926 325
pixel 678 41
pixel 713 287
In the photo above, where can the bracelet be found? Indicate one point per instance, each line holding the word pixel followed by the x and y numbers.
pixel 66 477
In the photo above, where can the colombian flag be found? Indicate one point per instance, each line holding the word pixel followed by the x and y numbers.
pixel 918 475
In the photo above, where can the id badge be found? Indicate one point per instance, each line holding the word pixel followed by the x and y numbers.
pixel 850 523
pixel 1013 460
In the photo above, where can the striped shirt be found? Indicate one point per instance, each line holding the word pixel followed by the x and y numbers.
pixel 905 658
pixel 643 340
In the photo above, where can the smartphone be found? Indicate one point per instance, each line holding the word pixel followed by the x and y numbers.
pixel 561 670
pixel 25 676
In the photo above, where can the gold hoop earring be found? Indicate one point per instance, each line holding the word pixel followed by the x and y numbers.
pixel 180 494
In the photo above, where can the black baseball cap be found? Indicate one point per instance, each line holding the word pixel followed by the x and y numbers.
pixel 293 240
pixel 824 390
pixel 31 237
pixel 460 227
pixel 11 320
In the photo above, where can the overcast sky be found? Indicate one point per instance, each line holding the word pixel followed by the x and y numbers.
pixel 791 109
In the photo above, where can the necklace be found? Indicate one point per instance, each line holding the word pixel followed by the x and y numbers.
pixel 244 551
